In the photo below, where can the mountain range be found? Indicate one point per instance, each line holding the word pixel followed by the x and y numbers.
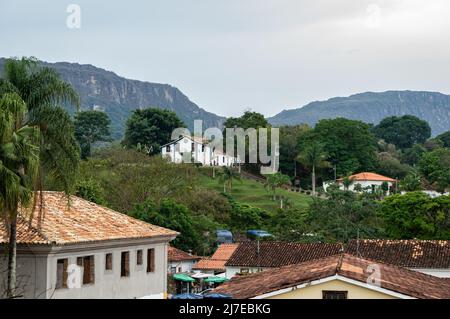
pixel 104 90
pixel 372 107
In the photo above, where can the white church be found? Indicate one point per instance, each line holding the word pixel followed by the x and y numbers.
pixel 187 149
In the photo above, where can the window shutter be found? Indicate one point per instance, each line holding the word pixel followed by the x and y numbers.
pixel 92 269
pixel 65 275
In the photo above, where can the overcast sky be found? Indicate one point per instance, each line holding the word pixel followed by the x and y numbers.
pixel 232 55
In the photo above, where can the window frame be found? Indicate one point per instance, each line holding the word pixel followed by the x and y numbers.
pixel 337 293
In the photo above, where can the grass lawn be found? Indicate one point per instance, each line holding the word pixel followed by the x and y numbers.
pixel 254 193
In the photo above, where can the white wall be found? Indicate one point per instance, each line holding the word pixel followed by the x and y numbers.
pixel 185 265
pixel 363 184
pixel 109 283
pixel 37 270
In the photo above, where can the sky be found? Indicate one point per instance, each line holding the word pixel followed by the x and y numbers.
pixel 229 56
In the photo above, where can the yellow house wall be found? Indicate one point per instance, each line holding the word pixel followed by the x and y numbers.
pixel 315 292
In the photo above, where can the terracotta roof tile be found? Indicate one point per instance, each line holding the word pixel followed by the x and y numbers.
pixel 276 254
pixel 80 221
pixel 218 259
pixel 366 176
pixel 175 254
pixel 397 279
pixel 405 253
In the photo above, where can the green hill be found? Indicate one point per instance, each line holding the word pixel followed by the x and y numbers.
pixel 254 193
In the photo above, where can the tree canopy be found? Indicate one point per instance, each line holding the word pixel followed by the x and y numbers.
pixel 403 131
pixel 350 144
pixel 91 127
pixel 151 127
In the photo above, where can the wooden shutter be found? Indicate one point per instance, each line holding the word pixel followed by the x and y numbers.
pixel 92 269
pixel 65 274
pixel 151 260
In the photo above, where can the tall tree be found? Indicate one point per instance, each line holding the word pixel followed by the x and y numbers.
pixel 350 145
pixel 226 176
pixel 435 166
pixel 313 157
pixel 274 181
pixel 444 138
pixel 151 128
pixel 91 127
pixel 41 92
pixel 403 131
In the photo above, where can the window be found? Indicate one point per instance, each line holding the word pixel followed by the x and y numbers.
pixel 223 159
pixel 151 260
pixel 173 270
pixel 88 264
pixel 168 148
pixel 192 147
pixel 203 148
pixel 125 264
pixel 139 257
pixel 329 294
pixel 108 261
pixel 61 273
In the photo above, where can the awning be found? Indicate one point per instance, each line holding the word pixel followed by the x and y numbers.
pixel 200 275
pixel 216 279
pixel 183 277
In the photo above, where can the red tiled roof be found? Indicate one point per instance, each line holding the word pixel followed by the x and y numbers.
pixel 277 254
pixel 393 278
pixel 366 176
pixel 175 254
pixel 218 259
pixel 77 220
pixel 405 253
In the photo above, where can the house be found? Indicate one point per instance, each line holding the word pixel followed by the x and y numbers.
pixel 342 276
pixel 216 263
pixel 364 181
pixel 73 248
pixel 188 149
pixel 255 256
pixel 180 261
pixel 427 256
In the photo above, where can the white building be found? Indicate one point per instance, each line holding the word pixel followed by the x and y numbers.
pixel 180 261
pixel 83 250
pixel 365 181
pixel 187 149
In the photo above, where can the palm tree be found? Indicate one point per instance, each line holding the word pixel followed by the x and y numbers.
pixel 226 176
pixel 273 181
pixel 19 158
pixel 347 181
pixel 313 156
pixel 39 143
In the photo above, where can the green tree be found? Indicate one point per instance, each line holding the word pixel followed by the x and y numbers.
pixel 226 177
pixel 247 120
pixel 151 127
pixel 171 215
pixel 411 156
pixel 445 139
pixel 313 157
pixel 290 137
pixel 344 215
pixel 274 181
pixel 19 161
pixel 91 127
pixel 90 190
pixel 435 167
pixel 31 95
pixel 403 131
pixel 411 182
pixel 350 145
pixel 416 215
